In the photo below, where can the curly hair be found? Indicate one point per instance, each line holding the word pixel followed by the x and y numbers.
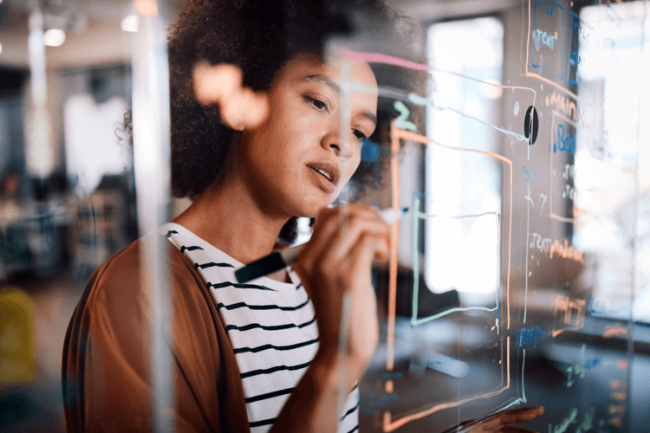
pixel 260 37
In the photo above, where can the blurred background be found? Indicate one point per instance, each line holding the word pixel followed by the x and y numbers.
pixel 68 198
pixel 67 202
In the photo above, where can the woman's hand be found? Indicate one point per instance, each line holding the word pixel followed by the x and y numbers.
pixel 501 423
pixel 337 260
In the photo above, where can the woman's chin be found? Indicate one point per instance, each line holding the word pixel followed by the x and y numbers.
pixel 312 208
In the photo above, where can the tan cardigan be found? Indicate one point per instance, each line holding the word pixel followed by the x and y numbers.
pixel 106 363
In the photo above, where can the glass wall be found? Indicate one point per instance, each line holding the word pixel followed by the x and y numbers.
pixel 513 131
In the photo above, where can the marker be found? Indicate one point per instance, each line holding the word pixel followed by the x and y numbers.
pixel 281 259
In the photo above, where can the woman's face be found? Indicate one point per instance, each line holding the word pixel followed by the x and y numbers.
pixel 294 163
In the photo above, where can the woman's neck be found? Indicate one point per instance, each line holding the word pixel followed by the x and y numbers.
pixel 227 216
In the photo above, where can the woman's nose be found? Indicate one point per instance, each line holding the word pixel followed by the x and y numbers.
pixel 341 146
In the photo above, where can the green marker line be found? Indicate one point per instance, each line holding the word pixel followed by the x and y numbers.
pixel 416 267
pixel 523 386
pixel 425 101
pixel 518 401
pixel 416 215
pixel 451 310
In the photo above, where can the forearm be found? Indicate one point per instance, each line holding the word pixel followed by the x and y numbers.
pixel 312 405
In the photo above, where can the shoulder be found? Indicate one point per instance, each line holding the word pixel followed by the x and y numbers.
pixel 117 295
pixel 115 309
pixel 108 336
pixel 122 276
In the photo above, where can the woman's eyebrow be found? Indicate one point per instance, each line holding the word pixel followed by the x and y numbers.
pixel 324 79
pixel 368 115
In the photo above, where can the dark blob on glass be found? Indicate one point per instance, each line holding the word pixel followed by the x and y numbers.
pixel 527 125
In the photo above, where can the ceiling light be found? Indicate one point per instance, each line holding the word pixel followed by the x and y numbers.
pixel 54 37
pixel 130 23
pixel 147 7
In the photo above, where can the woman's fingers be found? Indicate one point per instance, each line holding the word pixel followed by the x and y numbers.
pixel 337 260
pixel 524 414
pixel 539 410
pixel 502 422
pixel 330 219
pixel 511 429
pixel 336 231
pixel 515 419
pixel 357 227
pixel 363 299
pixel 363 250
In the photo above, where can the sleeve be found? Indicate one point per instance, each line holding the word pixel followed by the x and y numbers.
pixel 107 362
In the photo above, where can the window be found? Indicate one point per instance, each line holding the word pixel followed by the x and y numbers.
pixel 463 188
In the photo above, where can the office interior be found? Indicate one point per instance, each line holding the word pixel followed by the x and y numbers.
pixel 69 202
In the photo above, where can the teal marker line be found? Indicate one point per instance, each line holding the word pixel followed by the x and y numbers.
pixel 519 137
pixel 451 310
pixel 417 99
pixel 402 121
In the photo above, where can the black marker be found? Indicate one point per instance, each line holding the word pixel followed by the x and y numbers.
pixel 281 259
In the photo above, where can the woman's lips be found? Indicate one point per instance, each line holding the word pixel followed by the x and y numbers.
pixel 329 169
pixel 321 181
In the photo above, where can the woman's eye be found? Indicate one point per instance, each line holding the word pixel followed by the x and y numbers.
pixel 316 103
pixel 360 135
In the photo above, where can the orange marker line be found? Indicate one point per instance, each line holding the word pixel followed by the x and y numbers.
pixel 509 252
pixel 396 134
pixel 408 135
pixel 394 239
pixel 390 426
pixel 394 425
pixel 563 219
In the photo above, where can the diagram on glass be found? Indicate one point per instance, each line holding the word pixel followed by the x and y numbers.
pixel 499 312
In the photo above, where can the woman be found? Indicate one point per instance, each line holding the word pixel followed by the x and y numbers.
pixel 262 356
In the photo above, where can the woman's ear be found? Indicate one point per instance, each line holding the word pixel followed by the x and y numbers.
pixel 240 107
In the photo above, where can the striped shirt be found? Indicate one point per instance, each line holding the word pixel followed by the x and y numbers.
pixel 272 328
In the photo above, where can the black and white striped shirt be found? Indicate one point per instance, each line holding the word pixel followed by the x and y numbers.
pixel 272 328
